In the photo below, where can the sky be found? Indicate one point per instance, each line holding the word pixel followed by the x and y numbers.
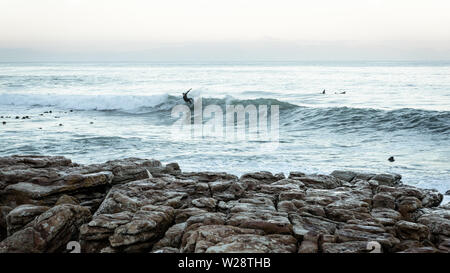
pixel 121 30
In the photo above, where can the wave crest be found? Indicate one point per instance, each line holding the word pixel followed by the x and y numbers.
pixel 344 119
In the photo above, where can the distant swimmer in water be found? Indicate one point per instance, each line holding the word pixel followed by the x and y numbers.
pixel 323 92
pixel 186 99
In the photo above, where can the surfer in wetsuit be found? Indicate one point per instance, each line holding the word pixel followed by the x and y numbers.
pixel 186 99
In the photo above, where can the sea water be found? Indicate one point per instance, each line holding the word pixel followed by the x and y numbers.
pixel 105 111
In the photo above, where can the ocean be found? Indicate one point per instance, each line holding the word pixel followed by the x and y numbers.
pixel 105 111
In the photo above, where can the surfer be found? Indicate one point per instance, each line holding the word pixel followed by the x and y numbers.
pixel 323 92
pixel 186 99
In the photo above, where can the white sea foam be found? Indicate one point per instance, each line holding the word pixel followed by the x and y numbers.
pixel 84 102
pixel 388 110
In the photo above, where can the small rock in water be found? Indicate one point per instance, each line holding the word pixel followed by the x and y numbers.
pixel 17 117
pixel 391 159
pixel 4 122
pixel 71 111
pixel 91 122
pixel 60 124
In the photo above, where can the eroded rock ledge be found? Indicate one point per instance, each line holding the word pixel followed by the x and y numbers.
pixel 137 205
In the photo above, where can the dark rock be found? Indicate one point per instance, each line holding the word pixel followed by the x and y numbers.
pixel 140 205
pixel 387 179
pixel 346 247
pixel 4 210
pixel 262 177
pixel 420 250
pixel 408 204
pixel 172 238
pixel 432 198
pixel 303 225
pixel 386 216
pixel 22 215
pixel 438 221
pixel 147 225
pixel 259 213
pixel 208 176
pixel 37 192
pixel 310 243
pixel 294 175
pixel 344 175
pixel 320 181
pixel 385 239
pixel 247 243
pixel 201 238
pixel 173 168
pixel 207 203
pixel 382 200
pixel 67 199
pixel 49 232
pixel 412 231
pixel 344 210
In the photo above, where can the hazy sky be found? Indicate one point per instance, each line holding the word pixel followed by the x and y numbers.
pixel 222 30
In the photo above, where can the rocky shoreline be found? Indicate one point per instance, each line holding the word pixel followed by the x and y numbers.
pixel 137 205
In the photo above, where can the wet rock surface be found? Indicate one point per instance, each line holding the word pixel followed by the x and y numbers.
pixel 137 205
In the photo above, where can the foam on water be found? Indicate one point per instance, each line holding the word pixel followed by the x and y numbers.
pixel 84 102
pixel 123 110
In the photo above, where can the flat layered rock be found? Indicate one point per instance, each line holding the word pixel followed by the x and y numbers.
pixel 259 213
pixel 438 221
pixel 198 240
pixel 26 192
pixel 246 243
pixel 172 238
pixel 49 232
pixel 261 177
pixel 412 231
pixel 35 161
pixel 349 235
pixel 320 181
pixel 4 210
pixel 302 225
pixel 129 169
pixel 346 247
pixel 385 216
pixel 140 205
pixel 126 231
pixel 22 215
